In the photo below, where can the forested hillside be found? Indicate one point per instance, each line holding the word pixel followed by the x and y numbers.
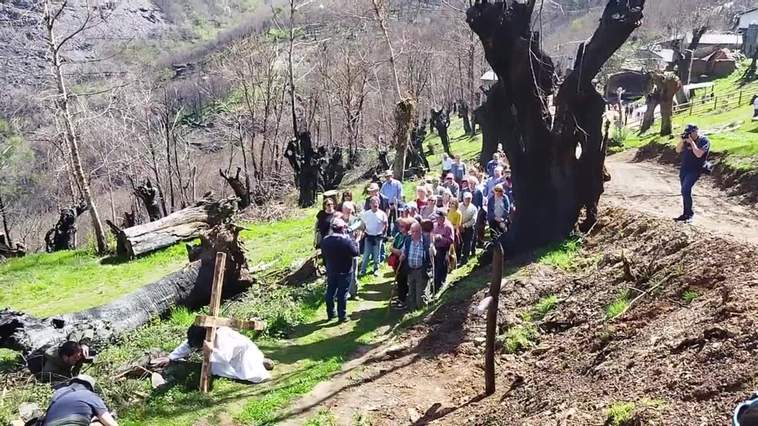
pixel 174 91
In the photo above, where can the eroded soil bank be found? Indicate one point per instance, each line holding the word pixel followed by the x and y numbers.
pixel 684 352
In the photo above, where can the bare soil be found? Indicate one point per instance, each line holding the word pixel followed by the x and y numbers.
pixel 679 362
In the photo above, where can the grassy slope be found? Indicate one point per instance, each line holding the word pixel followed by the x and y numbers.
pixel 45 284
pixel 740 144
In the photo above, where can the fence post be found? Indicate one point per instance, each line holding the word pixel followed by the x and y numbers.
pixel 692 105
pixel 739 102
pixel 715 102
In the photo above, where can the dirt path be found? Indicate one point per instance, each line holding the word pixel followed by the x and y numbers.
pixel 653 188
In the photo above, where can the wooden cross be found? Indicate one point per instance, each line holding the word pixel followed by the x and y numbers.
pixel 213 321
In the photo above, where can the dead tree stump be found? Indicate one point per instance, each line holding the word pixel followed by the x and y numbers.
pixel 63 235
pixel 240 188
pixel 148 194
pixel 556 162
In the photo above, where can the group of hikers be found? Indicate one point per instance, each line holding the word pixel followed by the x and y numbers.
pixel 421 239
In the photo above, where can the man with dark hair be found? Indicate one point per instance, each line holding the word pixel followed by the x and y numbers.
pixel 233 355
pixel 63 362
pixel 339 250
pixel 77 405
pixel 694 149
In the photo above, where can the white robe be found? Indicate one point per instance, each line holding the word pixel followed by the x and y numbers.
pixel 234 356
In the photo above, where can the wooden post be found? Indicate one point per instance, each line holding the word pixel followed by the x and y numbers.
pixel 215 307
pixel 715 102
pixel 489 352
pixel 739 102
pixel 692 104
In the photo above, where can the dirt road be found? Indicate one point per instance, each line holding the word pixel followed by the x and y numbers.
pixel 653 188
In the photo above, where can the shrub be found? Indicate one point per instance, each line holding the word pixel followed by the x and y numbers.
pixel 620 414
pixel 544 306
pixel 689 296
pixel 619 306
pixel 519 337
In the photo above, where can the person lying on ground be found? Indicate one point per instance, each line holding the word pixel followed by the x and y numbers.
pixel 233 355
pixel 60 362
pixel 77 404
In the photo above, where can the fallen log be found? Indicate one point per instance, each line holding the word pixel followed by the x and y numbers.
pixel 101 325
pixel 182 225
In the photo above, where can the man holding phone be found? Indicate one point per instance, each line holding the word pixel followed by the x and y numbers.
pixel 694 149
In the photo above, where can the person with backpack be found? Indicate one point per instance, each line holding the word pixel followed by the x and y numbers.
pixel 417 256
pixel 694 149
pixel 77 404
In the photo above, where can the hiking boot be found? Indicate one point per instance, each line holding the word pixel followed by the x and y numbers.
pixel 681 218
pixel 376 273
pixel 688 220
pixel 343 320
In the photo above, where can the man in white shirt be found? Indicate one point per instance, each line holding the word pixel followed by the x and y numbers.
pixel 233 355
pixel 375 222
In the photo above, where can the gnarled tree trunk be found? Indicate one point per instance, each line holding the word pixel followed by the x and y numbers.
pixel 551 185
pixel 240 188
pixel 149 196
pixel 63 235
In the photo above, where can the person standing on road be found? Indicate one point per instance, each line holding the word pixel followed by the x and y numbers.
pixel 392 190
pixel 375 222
pixel 417 257
pixel 339 250
pixel 694 149
pixel 443 237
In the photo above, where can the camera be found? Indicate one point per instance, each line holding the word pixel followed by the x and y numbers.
pixel 686 135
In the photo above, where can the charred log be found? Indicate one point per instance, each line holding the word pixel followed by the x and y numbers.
pixel 63 235
pixel 182 225
pixel 240 189
pixel 334 169
pixel 552 184
pixel 101 325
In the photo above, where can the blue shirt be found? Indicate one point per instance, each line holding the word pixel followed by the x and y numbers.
pixel 491 165
pixel 75 400
pixel 338 251
pixel 490 185
pixel 458 171
pixel 393 190
pixel 690 162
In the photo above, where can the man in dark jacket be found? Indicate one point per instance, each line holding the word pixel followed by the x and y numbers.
pixel 694 149
pixel 338 250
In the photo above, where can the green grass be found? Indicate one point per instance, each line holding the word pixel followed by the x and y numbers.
pixel 618 306
pixel 620 413
pixel 521 336
pixel 740 145
pixel 545 305
pixel 689 296
pixel 45 284
pixel 563 255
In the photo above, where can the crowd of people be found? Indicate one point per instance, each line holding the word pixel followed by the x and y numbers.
pixel 422 238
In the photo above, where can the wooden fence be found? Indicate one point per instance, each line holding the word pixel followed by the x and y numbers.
pixel 708 103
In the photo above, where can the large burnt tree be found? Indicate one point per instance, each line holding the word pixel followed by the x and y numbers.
pixel 551 185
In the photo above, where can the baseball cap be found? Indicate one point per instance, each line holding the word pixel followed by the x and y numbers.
pixel 84 379
pixel 690 128
pixel 373 187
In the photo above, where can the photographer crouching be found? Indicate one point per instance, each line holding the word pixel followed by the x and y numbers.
pixel 60 363
pixel 694 149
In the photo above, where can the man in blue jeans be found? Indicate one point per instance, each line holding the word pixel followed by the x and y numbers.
pixel 694 149
pixel 375 222
pixel 338 250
